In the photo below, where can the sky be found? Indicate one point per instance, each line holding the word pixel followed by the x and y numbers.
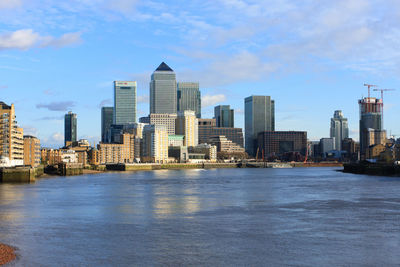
pixel 312 57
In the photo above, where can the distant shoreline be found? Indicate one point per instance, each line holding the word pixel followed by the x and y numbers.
pixel 7 254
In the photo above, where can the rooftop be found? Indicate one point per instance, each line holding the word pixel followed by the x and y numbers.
pixel 163 67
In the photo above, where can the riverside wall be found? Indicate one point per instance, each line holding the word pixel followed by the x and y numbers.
pixel 372 169
pixel 20 174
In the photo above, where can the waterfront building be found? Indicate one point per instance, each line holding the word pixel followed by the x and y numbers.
pixel 277 143
pixel 339 128
pixel 107 117
pixel 178 153
pixel 155 143
pixel 168 120
pixel 259 116
pixel 31 151
pixel 163 90
pixel 11 136
pixel 122 152
pixel 207 129
pixel 210 151
pixel 176 140
pixel 187 125
pixel 124 102
pixel 224 116
pixel 189 97
pixel 370 118
pixel 374 137
pixel 326 145
pixel 223 144
pixel 50 156
pixel 351 147
pixel 70 128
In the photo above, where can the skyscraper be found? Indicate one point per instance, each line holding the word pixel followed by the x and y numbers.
pixel 70 123
pixel 224 116
pixel 124 102
pixel 163 92
pixel 339 128
pixel 189 97
pixel 370 118
pixel 259 116
pixel 107 117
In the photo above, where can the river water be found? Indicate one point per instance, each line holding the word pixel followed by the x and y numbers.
pixel 218 217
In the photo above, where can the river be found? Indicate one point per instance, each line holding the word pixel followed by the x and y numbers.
pixel 217 217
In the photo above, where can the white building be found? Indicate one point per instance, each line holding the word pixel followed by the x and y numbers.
pixel 155 143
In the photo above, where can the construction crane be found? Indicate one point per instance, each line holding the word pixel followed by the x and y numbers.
pixel 383 90
pixel 369 88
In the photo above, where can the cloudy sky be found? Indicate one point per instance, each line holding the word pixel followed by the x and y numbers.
pixel 311 56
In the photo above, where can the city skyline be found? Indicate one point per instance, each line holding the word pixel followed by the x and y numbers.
pixel 68 61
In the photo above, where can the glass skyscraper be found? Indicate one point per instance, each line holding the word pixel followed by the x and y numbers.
pixel 124 102
pixel 163 90
pixel 224 116
pixel 259 116
pixel 339 129
pixel 107 117
pixel 70 125
pixel 189 97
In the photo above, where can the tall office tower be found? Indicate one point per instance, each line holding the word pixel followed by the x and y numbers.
pixel 187 124
pixel 259 116
pixel 189 97
pixel 124 102
pixel 155 143
pixel 224 116
pixel 107 117
pixel 11 136
pixel 370 118
pixel 168 120
pixel 163 91
pixel 31 151
pixel 339 128
pixel 70 123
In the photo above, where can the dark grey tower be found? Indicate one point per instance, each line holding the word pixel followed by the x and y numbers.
pixel 224 116
pixel 107 114
pixel 189 97
pixel 163 91
pixel 70 124
pixel 259 116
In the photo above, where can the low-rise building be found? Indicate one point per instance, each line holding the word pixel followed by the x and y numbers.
pixel 118 152
pixel 31 151
pixel 223 144
pixel 273 143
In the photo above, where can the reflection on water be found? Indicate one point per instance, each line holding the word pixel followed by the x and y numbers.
pixel 245 217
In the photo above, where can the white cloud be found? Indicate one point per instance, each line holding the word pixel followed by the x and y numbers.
pixel 55 140
pixel 143 99
pixel 26 38
pixel 211 100
pixel 5 4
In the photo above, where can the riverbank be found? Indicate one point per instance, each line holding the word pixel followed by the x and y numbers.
pixel 372 169
pixel 7 254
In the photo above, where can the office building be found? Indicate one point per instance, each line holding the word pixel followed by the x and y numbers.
pixel 189 97
pixel 370 118
pixel 225 145
pixel 339 129
pixel 70 131
pixel 124 102
pixel 277 143
pixel 187 125
pixel 11 136
pixel 32 154
pixel 176 140
pixel 163 91
pixel 168 120
pixel 259 116
pixel 155 144
pixel 107 117
pixel 326 145
pixel 224 116
pixel 207 129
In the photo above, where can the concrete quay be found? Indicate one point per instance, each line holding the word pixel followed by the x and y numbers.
pixel 20 174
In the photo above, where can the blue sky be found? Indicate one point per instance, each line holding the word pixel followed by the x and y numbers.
pixel 311 56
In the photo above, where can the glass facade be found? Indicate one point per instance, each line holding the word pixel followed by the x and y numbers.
pixel 107 117
pixel 163 91
pixel 259 116
pixel 189 97
pixel 339 129
pixel 70 125
pixel 124 102
pixel 224 116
